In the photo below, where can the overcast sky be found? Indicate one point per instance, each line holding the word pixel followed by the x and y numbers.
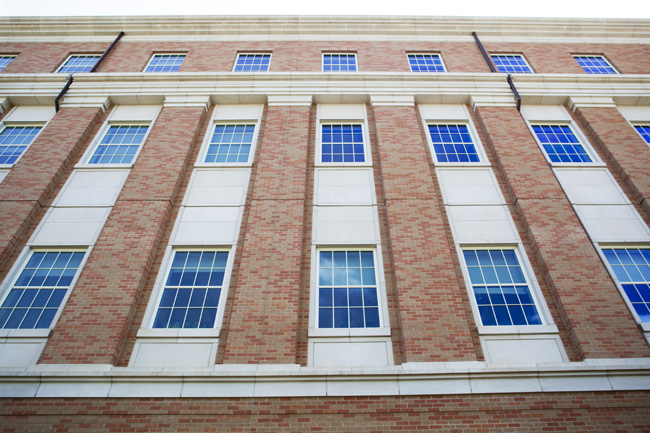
pixel 518 8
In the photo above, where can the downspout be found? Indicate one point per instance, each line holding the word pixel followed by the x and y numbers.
pixel 57 101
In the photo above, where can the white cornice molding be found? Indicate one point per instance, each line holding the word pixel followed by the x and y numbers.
pixel 187 101
pixel 326 27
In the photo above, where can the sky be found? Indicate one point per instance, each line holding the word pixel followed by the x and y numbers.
pixel 507 8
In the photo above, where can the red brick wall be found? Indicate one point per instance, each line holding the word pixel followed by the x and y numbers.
pixel 573 412
pixel 434 322
pixel 263 323
pixel 34 58
pixel 598 321
pixel 95 321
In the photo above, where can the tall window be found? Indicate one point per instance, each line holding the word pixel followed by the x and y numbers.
pixel 339 62
pixel 631 267
pixel 79 63
pixel 36 296
pixel 347 290
pixel 501 292
pixel 190 297
pixel 426 63
pixel 595 65
pixel 119 145
pixel 5 60
pixel 511 63
pixel 14 140
pixel 165 63
pixel 561 144
pixel 453 143
pixel 252 62
pixel 230 143
pixel 342 143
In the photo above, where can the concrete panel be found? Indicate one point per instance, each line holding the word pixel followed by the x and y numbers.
pixel 208 226
pixel 345 186
pixel 135 113
pixel 345 225
pixel 522 350
pixel 591 187
pixel 469 187
pixel 481 224
pixel 31 114
pixel 337 353
pixel 616 223
pixel 92 188
pixel 20 352
pixel 218 188
pixel 238 112
pixel 71 226
pixel 540 113
pixel 443 112
pixel 342 112
pixel 163 353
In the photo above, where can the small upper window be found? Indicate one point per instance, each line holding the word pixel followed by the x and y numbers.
pixel 561 144
pixel 453 143
pixel 79 63
pixel 5 60
pixel 342 143
pixel 426 63
pixel 644 130
pixel 339 62
pixel 14 140
pixel 251 62
pixel 119 145
pixel 165 63
pixel 511 63
pixel 230 143
pixel 595 65
pixel 631 267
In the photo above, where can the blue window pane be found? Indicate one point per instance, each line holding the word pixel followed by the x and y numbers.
pixel 356 297
pixel 192 318
pixel 517 275
pixel 501 313
pixel 252 63
pixel 632 293
pixel 367 259
pixel 114 149
pixel 503 275
pixel 510 295
pixel 341 318
pixel 46 318
pixel 12 298
pixel 325 297
pixel 487 316
pixel 452 143
pixel 340 297
pixel 212 298
pixel 216 277
pixel 56 298
pixel 425 63
pixel 643 312
pixel 325 318
pixel 644 291
pixel 354 276
pixel 189 276
pixel 567 148
pixel 595 65
pixel 342 143
pixel 475 275
pixel 370 297
pixel 340 259
pixel 496 296
pixel 168 297
pixel 182 297
pixel 470 258
pixel 30 319
pixel 356 318
pixel 42 298
pixel 27 298
pixel 340 276
pixel 325 276
pixel 16 318
pixel 177 318
pixel 79 63
pixel 4 315
pixel 481 295
pixel 524 295
pixel 490 275
pixel 198 298
pixel 372 317
pixel 203 277
pixel 532 315
pixel 208 318
pixel 510 64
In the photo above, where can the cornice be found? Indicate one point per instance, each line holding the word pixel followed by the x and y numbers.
pixel 326 27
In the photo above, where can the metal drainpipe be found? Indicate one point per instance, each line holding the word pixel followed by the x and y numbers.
pixel 57 101
pixel 493 69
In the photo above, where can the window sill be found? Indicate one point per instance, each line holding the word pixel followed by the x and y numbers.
pixel 174 333
pixel 24 333
pixel 510 330
pixel 103 166
pixel 349 332
pixel 223 165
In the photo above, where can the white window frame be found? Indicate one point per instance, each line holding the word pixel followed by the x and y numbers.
pixel 533 286
pixel 344 119
pixel 575 56
pixel 153 56
pixel 645 326
pixel 356 61
pixel 10 124
pixel 147 329
pixel 85 160
pixel 520 55
pixel 644 124
pixel 582 139
pixel 58 70
pixel 7 56
pixel 16 270
pixel 444 66
pixel 384 324
pixel 249 53
pixel 200 162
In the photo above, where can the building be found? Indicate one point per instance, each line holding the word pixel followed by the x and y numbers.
pixel 324 224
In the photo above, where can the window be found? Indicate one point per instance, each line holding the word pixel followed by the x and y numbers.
pixel 5 60
pixel 342 143
pixel 644 130
pixel 119 145
pixel 631 266
pixel 165 63
pixel 595 65
pixel 190 296
pixel 339 62
pixel 347 290
pixel 37 294
pixel 501 292
pixel 561 144
pixel 14 140
pixel 252 62
pixel 426 63
pixel 453 143
pixel 230 143
pixel 79 63
pixel 511 63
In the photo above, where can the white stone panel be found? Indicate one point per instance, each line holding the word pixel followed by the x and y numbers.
pixel 135 113
pixel 436 386
pixel 238 112
pixel 290 388
pixel 353 387
pixel 337 353
pixel 443 112
pixel 476 186
pixel 345 225
pixel 162 353
pixel 88 387
pixel 221 388
pixel 494 385
pixel 146 388
pixel 635 114
pixel 540 113
pixel 591 187
pixel 522 350
pixel 346 186
pixel 92 188
pixel 3 174
pixel 481 224
pixel 616 223
pixel 71 226
pixel 218 187
pixel 208 226
pixel 31 114
pixel 571 383
pixel 342 112
pixel 16 352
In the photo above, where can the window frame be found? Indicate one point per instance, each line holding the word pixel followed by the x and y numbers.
pixel 600 56
pixel 153 56
pixel 9 124
pixel 248 53
pixel 520 55
pixel 62 65
pixel 366 143
pixel 636 125
pixel 14 273
pixel 531 282
pixel 439 55
pixel 339 53
pixel 208 138
pixel 85 160
pixel 586 145
pixel 483 160
pixel 7 56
